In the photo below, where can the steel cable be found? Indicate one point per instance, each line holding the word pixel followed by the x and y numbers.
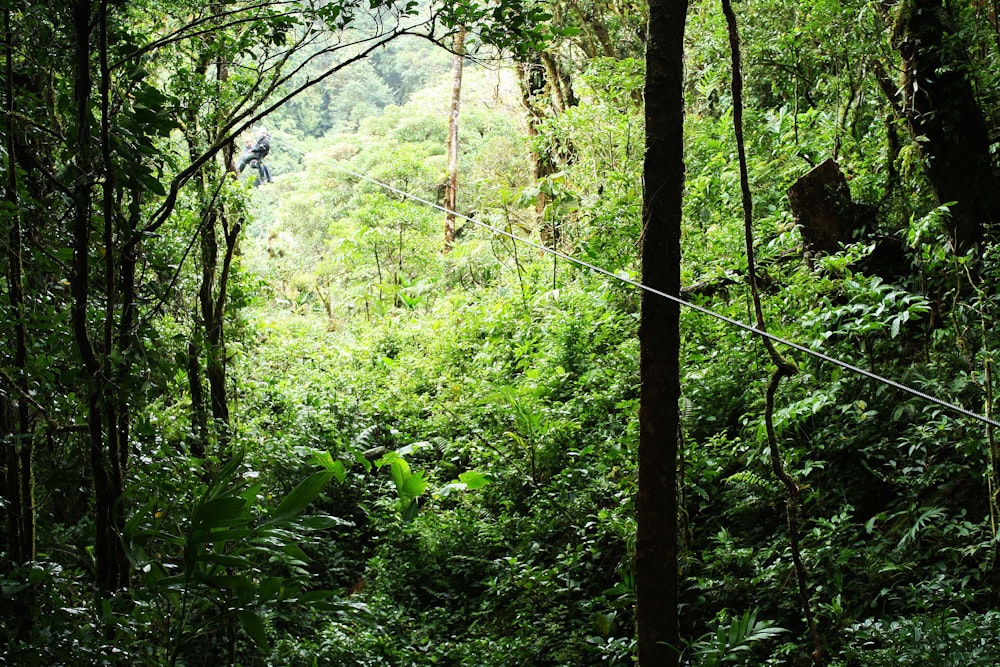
pixel 687 304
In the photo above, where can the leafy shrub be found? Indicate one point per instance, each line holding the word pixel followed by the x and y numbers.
pixel 939 640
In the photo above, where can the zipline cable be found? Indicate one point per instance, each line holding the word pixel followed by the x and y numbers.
pixel 723 318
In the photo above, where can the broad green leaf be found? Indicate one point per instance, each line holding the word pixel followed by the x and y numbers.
pixel 296 552
pixel 226 475
pixel 414 485
pixel 365 463
pixel 219 513
pixel 302 495
pixel 269 589
pixel 473 480
pixel 254 627
pixel 339 471
pixel 400 471
pixel 326 460
pixel 316 596
pixel 410 510
pixel 144 512
pixel 225 560
pixel 251 492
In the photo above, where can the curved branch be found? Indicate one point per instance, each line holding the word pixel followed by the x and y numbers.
pixel 237 126
pixel 194 29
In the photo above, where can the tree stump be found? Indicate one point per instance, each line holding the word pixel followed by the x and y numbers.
pixel 822 207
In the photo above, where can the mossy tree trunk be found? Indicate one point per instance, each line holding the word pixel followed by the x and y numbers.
pixel 945 119
pixel 451 188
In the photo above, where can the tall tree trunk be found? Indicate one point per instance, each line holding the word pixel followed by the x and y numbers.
pixel 209 250
pixel 119 300
pixel 534 88
pixel 561 84
pixel 214 303
pixel 451 191
pixel 215 272
pixel 659 338
pixel 111 562
pixel 212 298
pixel 15 422
pixel 945 119
pixel 211 318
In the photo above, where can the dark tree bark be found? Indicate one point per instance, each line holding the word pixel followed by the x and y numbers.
pixel 15 420
pixel 946 120
pixel 534 91
pixel 199 414
pixel 212 319
pixel 659 338
pixel 104 421
pixel 209 336
pixel 560 83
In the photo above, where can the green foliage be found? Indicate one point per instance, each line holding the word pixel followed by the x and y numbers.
pixel 488 500
pixel 438 451
pixel 225 557
pixel 939 640
pixel 869 307
pixel 728 642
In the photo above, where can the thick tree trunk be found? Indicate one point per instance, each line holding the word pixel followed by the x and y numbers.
pixel 17 483
pixel 120 247
pixel 451 190
pixel 210 317
pixel 534 88
pixel 560 82
pixel 212 297
pixel 659 339
pixel 199 414
pixel 946 121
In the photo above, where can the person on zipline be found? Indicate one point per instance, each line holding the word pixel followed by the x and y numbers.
pixel 254 155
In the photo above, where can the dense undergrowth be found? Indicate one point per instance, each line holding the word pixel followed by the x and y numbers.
pixel 508 383
pixel 433 456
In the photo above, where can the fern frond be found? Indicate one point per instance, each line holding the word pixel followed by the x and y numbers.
pixel 747 478
pixel 929 515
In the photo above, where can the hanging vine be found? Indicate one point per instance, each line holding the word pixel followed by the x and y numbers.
pixel 784 367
